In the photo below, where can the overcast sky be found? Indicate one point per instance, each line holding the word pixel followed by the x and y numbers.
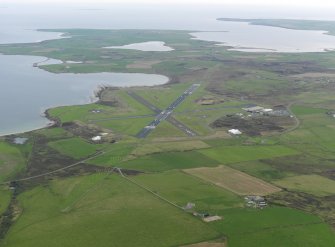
pixel 320 3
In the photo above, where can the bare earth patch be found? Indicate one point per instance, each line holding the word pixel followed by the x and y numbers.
pixel 234 180
pixel 142 64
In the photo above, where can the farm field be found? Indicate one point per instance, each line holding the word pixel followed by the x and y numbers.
pixel 234 180
pixel 275 226
pixel 313 184
pixel 176 187
pixel 234 154
pixel 63 216
pixel 169 161
pixel 75 147
pixel 12 160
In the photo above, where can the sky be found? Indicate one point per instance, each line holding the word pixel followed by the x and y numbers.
pixel 304 3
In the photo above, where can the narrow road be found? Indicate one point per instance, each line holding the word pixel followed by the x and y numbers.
pixel 166 114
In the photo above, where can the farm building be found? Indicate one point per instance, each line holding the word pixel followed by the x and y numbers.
pixel 235 132
pixel 96 138
pixel 254 109
pixel 255 201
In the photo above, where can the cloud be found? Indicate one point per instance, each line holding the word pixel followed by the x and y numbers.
pixel 320 3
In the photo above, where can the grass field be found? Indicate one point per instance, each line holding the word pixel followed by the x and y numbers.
pixel 169 161
pixel 261 170
pixel 126 126
pixel 5 196
pixel 234 154
pixel 313 184
pixel 113 155
pixel 275 227
pixel 234 180
pixel 75 147
pixel 161 147
pixel 166 130
pixel 12 160
pixel 182 188
pixel 82 112
pixel 55 133
pixel 101 211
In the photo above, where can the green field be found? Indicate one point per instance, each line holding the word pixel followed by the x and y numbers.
pixel 169 161
pixel 12 160
pixel 275 227
pixel 101 210
pixel 5 196
pixel 261 170
pixel 127 126
pixel 75 147
pixel 175 186
pixel 113 155
pixel 234 154
pixel 314 184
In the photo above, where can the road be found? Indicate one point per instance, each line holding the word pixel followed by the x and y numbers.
pixel 166 114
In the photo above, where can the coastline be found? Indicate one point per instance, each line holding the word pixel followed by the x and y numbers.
pixel 95 98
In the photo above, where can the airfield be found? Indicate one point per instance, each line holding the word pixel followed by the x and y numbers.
pixel 166 160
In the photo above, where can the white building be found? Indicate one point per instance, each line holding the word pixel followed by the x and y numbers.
pixel 96 138
pixel 235 132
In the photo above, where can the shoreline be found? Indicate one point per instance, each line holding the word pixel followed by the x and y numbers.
pixel 95 98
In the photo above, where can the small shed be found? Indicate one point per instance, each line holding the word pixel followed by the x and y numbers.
pixel 96 138
pixel 235 131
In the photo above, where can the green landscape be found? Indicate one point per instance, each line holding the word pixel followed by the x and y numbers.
pixel 62 187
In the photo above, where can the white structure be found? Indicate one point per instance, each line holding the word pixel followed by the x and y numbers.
pixel 235 132
pixel 96 138
pixel 254 109
pixel 212 218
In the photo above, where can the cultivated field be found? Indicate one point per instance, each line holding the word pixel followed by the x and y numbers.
pixel 234 180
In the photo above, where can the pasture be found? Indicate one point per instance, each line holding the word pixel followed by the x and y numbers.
pixel 169 161
pixel 182 188
pixel 75 147
pixel 275 227
pixel 12 160
pixel 313 184
pixel 101 210
pixel 235 154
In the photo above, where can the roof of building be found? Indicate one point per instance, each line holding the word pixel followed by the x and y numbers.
pixel 235 131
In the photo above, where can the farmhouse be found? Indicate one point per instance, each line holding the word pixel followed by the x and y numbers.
pixel 255 201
